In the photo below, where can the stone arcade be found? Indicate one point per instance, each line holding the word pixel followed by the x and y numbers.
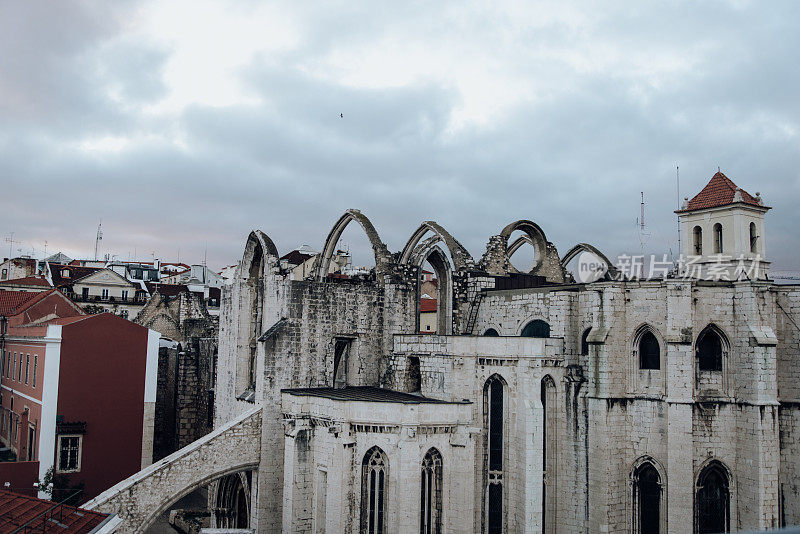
pixel 540 405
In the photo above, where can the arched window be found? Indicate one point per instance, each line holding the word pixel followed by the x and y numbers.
pixel 649 352
pixel 709 351
pixel 698 241
pixel 536 328
pixel 646 499
pixel 753 238
pixel 718 238
pixel 374 474
pixel 494 421
pixel 430 520
pixel 491 333
pixel 549 450
pixel 413 375
pixel 585 342
pixel 713 500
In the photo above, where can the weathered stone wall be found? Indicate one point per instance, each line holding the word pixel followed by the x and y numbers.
pixel 788 351
pixel 333 437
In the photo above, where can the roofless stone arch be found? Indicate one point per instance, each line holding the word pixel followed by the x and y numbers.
pixel 383 259
pixel 257 240
pixel 461 258
pixel 518 242
pixel 546 262
pixel 586 247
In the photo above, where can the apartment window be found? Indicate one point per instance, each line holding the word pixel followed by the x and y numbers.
pixel 13 367
pixel 31 443
pixel 5 274
pixel 19 369
pixel 105 294
pixel 374 474
pixel 69 454
pixel 65 273
pixel 35 364
pixel 124 294
pixel 3 363
pixel 27 367
pixel 85 293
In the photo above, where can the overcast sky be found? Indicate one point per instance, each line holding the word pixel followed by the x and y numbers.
pixel 183 125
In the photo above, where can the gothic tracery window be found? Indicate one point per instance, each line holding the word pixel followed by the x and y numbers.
pixel 646 499
pixel 430 521
pixel 374 474
pixel 493 402
pixel 713 500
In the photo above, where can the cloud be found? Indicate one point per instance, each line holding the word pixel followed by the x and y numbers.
pixel 184 125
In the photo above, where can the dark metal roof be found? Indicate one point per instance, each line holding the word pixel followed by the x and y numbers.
pixel 367 394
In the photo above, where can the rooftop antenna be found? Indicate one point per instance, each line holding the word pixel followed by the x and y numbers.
pixel 678 189
pixel 641 238
pixel 98 238
pixel 10 240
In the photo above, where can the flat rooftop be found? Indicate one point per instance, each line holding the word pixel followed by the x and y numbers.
pixel 366 394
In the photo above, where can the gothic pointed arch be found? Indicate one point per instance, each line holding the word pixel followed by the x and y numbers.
pixel 461 258
pixel 546 261
pixel 437 259
pixel 258 245
pixel 374 491
pixel 518 242
pixel 648 481
pixel 383 258
pixel 612 271
pixel 713 498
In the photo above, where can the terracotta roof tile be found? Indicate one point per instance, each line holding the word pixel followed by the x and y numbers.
pixel 428 305
pixel 719 191
pixel 10 301
pixel 17 509
pixel 27 281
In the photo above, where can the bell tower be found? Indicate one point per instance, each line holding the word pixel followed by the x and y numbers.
pixel 722 231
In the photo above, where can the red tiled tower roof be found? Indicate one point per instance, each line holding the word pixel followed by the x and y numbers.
pixel 720 191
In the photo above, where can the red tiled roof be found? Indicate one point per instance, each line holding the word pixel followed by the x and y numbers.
pixel 10 301
pixel 427 305
pixel 720 191
pixel 27 281
pixel 75 273
pixel 17 509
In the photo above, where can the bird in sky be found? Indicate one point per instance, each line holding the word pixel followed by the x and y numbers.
pixel 341 115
